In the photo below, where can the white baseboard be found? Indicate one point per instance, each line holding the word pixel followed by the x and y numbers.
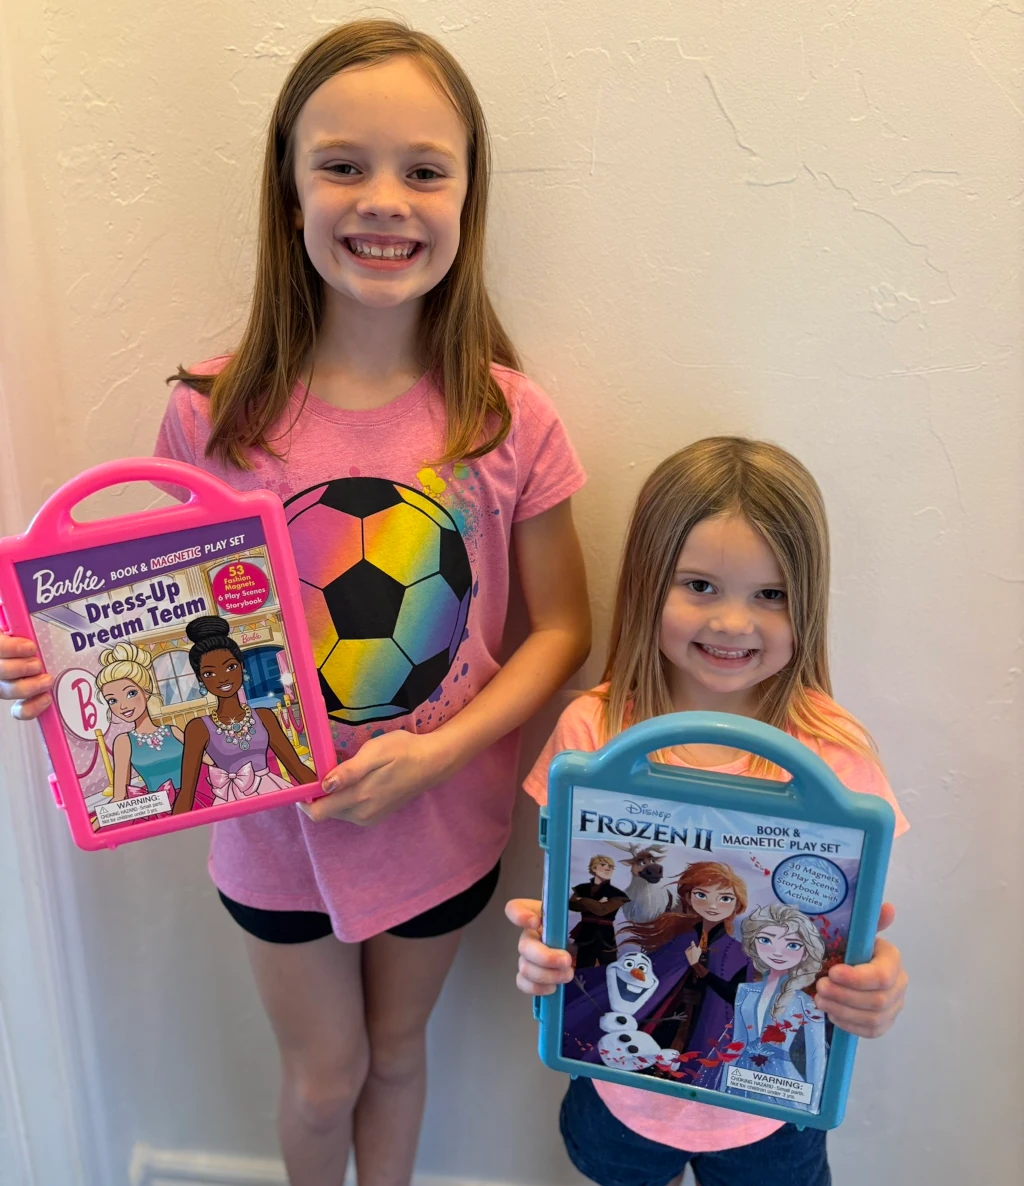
pixel 171 1167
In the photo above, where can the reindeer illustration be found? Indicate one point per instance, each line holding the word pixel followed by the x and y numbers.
pixel 647 897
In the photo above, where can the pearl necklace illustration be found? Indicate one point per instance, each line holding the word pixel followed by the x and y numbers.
pixel 238 733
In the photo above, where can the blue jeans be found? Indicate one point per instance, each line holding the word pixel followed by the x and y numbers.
pixel 606 1151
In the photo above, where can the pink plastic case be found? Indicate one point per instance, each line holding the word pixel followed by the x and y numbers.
pixel 151 623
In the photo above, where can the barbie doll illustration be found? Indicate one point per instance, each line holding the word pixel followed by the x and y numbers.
pixel 234 736
pixel 150 752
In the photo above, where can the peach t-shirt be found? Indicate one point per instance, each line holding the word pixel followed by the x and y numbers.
pixel 685 1124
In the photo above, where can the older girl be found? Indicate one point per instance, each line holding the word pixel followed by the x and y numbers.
pixel 373 358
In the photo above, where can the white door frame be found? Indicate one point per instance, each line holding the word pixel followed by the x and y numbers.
pixel 50 1110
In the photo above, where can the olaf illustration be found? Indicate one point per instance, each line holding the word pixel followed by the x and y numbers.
pixel 631 984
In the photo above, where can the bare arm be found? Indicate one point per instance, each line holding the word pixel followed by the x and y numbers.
pixel 122 750
pixel 389 770
pixel 283 749
pixel 197 738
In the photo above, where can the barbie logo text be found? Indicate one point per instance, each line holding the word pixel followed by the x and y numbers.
pixel 47 587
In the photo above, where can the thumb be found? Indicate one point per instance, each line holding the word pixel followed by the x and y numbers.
pixel 351 770
pixel 524 912
pixel 886 915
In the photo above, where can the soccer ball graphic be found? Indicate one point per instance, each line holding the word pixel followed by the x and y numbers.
pixel 386 586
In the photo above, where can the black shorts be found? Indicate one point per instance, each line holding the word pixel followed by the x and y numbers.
pixel 303 926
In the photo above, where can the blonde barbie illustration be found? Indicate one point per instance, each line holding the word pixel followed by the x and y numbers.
pixel 782 1032
pixel 150 752
pixel 234 736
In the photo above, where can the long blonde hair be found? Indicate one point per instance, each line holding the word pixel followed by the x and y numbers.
pixel 777 496
pixel 127 661
pixel 460 334
pixel 791 919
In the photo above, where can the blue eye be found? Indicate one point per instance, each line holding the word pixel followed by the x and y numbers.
pixel 795 946
pixel 764 941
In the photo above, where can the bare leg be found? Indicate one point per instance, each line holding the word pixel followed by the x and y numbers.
pixel 313 995
pixel 402 979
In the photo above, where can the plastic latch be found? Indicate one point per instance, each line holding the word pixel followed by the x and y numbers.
pixel 55 791
pixel 536 1008
pixel 543 828
pixel 5 626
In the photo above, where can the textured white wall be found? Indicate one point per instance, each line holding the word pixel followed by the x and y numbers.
pixel 795 220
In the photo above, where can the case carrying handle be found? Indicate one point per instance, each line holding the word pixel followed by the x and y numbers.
pixel 627 753
pixel 55 517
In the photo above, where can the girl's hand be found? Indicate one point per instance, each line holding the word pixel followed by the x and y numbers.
pixel 866 999
pixel 541 968
pixel 22 678
pixel 384 774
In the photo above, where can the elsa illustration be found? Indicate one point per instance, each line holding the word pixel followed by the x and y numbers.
pixel 782 1032
pixel 149 752
pixel 234 736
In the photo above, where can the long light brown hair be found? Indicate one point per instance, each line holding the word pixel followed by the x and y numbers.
pixel 460 335
pixel 777 496
pixel 699 875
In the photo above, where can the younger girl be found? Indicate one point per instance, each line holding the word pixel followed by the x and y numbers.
pixel 721 606
pixel 375 386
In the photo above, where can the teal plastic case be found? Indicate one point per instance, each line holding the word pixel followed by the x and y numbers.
pixel 781 880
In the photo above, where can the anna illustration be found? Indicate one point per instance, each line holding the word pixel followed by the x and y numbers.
pixel 150 752
pixel 782 1032
pixel 234 736
pixel 698 964
pixel 696 954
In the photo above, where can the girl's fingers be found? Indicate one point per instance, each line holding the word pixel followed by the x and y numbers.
pixel 16 648
pixel 539 954
pixel 546 977
pixel 524 984
pixel 13 669
pixel 832 995
pixel 862 1022
pixel 25 689
pixel 524 912
pixel 32 707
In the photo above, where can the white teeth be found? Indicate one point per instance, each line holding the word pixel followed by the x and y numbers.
pixel 720 654
pixel 375 251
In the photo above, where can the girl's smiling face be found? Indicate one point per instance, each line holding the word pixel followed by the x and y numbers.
pixel 221 673
pixel 725 624
pixel 713 903
pixel 381 172
pixel 125 699
pixel 779 948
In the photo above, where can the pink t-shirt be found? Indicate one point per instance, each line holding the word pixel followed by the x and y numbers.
pixel 685 1124
pixel 436 846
